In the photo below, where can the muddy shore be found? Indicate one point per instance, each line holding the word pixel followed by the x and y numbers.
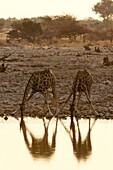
pixel 64 62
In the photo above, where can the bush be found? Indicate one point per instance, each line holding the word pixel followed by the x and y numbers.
pixel 26 29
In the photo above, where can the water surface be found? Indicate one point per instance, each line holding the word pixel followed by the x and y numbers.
pixel 52 145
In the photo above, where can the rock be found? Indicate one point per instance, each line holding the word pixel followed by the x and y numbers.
pixel 102 109
pixel 40 115
pixel 107 82
pixel 49 116
pixel 5 118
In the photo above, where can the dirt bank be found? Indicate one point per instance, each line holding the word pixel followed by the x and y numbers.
pixel 64 62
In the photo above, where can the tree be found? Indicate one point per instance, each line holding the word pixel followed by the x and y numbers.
pixel 105 9
pixel 63 26
pixel 26 29
pixel 2 21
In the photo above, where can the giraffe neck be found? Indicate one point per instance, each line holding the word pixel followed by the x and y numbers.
pixel 28 87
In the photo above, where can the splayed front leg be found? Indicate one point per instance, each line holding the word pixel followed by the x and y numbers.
pixel 91 105
pixel 47 104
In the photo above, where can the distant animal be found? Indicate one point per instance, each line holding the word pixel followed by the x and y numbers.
pixel 87 48
pixel 3 67
pixel 97 49
pixel 40 81
pixel 106 61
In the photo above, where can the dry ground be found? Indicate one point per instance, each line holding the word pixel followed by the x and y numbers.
pixel 64 62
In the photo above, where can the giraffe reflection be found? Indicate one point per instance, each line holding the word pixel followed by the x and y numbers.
pixel 39 147
pixel 82 148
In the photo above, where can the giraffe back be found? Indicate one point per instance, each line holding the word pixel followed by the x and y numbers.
pixel 82 81
pixel 40 82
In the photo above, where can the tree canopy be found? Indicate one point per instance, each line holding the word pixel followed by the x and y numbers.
pixel 104 9
pixel 26 29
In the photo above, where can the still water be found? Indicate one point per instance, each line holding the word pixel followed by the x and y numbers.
pixel 51 145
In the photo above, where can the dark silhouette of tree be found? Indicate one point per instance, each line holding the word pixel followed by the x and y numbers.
pixel 13 34
pixel 2 21
pixel 26 29
pixel 104 9
pixel 68 25
pixel 62 26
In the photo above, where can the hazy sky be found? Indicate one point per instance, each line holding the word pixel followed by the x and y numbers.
pixel 34 8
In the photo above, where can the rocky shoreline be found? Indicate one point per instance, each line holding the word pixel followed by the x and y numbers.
pixel 64 62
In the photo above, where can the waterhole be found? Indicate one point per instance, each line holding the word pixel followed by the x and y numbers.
pixel 50 144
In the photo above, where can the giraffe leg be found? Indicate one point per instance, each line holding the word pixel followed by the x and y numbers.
pixel 27 99
pixel 46 126
pixel 72 106
pixel 80 93
pixel 64 104
pixel 75 89
pixel 54 99
pixel 90 102
pixel 46 102
pixel 54 135
pixel 31 95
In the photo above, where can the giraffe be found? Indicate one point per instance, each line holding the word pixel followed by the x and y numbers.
pixel 40 81
pixel 82 83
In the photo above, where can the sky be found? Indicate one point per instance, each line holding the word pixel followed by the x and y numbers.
pixel 81 9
